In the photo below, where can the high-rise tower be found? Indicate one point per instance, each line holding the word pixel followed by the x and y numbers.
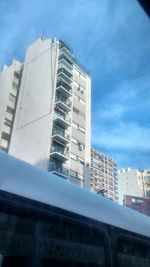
pixel 52 126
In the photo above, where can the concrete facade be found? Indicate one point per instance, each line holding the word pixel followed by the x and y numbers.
pixel 9 89
pixel 104 175
pixel 52 126
pixel 133 182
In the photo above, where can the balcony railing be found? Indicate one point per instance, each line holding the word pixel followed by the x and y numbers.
pixel 64 84
pixel 58 130
pixel 58 168
pixel 65 57
pixel 63 117
pixel 59 149
pixel 65 64
pixel 67 73
pixel 64 100
pixel 62 75
pixel 65 46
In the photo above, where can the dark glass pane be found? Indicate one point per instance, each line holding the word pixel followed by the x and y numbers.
pixel 43 242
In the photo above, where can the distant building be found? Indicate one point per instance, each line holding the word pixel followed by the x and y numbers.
pixel 52 123
pixel 104 175
pixel 133 182
pixel 9 89
pixel 140 204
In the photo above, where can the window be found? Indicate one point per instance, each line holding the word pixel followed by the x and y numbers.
pixel 73 156
pixel 38 240
pixel 8 122
pixel 5 136
pixel 81 129
pixel 10 110
pixel 74 125
pixel 133 252
pixel 74 140
pixel 77 111
pixel 77 126
pixel 12 98
pixel 16 74
pixel 79 99
pixel 80 176
pixel 15 86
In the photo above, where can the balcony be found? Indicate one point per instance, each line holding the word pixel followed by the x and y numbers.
pixel 63 102
pixel 60 135
pixel 68 73
pixel 63 74
pixel 62 120
pixel 63 63
pixel 63 88
pixel 59 153
pixel 58 169
pixel 65 53
pixel 65 46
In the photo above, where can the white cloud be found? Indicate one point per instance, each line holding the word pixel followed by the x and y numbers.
pixel 124 136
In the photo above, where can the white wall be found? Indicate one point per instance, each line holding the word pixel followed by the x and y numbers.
pixel 6 78
pixel 129 184
pixel 33 122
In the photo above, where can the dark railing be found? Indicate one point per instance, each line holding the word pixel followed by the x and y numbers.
pixel 64 84
pixel 62 75
pixel 66 58
pixel 61 150
pixel 67 73
pixel 62 99
pixel 66 46
pixel 64 117
pixel 58 168
pixel 60 131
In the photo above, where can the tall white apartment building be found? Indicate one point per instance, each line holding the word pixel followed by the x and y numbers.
pixel 9 88
pixel 104 175
pixel 133 182
pixel 52 126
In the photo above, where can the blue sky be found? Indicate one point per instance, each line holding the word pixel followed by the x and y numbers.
pixel 112 39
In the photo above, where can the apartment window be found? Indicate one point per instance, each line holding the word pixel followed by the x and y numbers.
pixel 5 136
pixel 81 129
pixel 15 86
pixel 12 98
pixel 74 140
pixel 79 99
pixel 10 110
pixel 74 125
pixel 80 176
pixel 77 111
pixel 81 160
pixel 16 74
pixel 8 122
pixel 73 156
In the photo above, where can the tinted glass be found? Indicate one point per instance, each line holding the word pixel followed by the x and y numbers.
pixel 133 253
pixel 54 242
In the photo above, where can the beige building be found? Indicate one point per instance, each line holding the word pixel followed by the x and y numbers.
pixel 9 88
pixel 133 182
pixel 104 175
pixel 52 125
